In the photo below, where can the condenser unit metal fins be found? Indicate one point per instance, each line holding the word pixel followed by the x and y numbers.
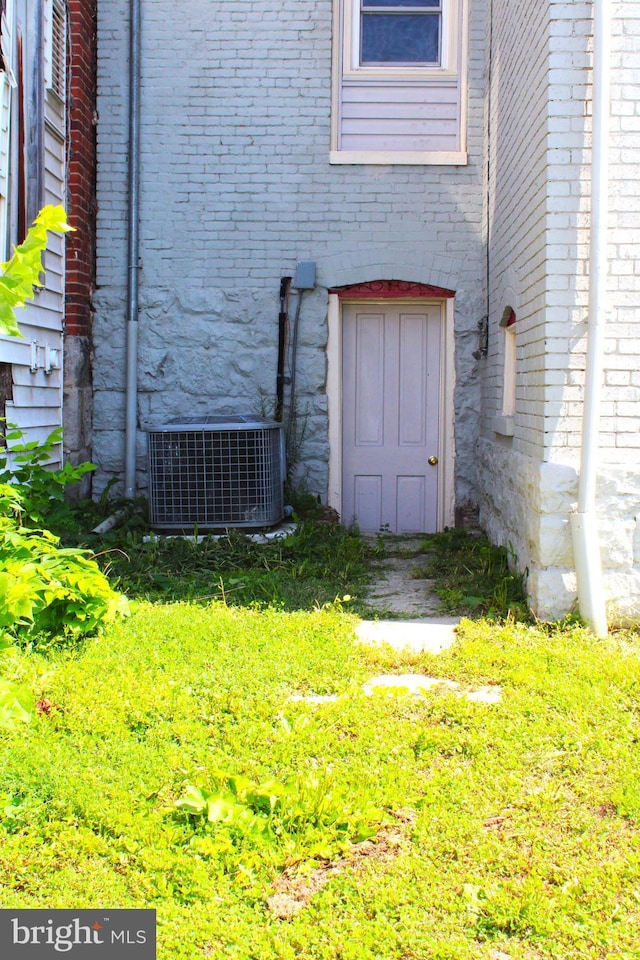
pixel 216 472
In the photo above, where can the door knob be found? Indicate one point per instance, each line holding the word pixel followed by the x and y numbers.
pixel 432 461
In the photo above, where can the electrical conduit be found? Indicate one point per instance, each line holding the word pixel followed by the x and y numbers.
pixel 586 547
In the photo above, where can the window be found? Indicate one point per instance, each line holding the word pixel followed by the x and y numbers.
pixel 504 422
pixel 400 32
pixel 399 81
pixel 508 323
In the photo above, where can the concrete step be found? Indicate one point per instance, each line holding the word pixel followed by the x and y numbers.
pixel 432 634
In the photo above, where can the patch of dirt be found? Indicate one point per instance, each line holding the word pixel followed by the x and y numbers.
pixel 502 824
pixel 292 891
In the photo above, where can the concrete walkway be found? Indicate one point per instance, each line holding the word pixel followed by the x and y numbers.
pixel 402 591
pixel 428 633
pixel 400 587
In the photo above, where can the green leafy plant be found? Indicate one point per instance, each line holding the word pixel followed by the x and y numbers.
pixel 15 700
pixel 304 817
pixel 24 462
pixel 47 591
pixel 22 273
pixel 42 489
pixel 15 704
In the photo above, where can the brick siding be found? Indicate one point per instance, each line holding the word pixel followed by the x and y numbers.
pixel 81 175
pixel 540 202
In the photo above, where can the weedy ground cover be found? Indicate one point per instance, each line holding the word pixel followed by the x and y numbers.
pixel 473 577
pixel 311 567
pixel 168 765
pixel 315 565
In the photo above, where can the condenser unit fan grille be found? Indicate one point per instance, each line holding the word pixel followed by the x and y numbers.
pixel 218 473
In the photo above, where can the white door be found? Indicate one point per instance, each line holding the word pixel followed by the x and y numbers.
pixel 391 415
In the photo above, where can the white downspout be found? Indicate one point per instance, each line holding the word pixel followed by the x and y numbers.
pixel 586 547
pixel 131 395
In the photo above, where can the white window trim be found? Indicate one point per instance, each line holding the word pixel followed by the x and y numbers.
pixel 399 158
pixel 509 386
pixel 7 83
pixel 7 29
pixel 448 67
pixel 454 12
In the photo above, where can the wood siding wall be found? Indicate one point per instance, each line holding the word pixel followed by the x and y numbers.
pixel 399 115
pixel 36 360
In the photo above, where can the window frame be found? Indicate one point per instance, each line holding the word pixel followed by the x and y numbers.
pixel 8 83
pixel 509 378
pixel 449 47
pixel 504 422
pixel 508 325
pixel 452 70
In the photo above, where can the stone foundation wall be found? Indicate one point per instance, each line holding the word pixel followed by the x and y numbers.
pixel 528 512
pixel 78 408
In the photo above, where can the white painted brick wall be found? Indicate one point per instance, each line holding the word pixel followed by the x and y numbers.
pixel 517 209
pixel 552 335
pixel 237 187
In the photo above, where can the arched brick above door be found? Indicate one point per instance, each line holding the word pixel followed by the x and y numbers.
pixel 391 290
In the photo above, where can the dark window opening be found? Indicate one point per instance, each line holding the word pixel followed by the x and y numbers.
pixel 410 35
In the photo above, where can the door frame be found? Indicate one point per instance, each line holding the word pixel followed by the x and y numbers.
pixel 446 443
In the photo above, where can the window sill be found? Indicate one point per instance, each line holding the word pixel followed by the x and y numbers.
pixel 407 157
pixel 504 426
pixel 423 76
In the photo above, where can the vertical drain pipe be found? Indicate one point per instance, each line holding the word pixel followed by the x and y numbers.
pixel 586 547
pixel 131 400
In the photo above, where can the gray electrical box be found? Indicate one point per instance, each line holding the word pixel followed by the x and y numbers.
pixel 305 275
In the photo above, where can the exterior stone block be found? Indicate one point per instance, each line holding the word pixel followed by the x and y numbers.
pixel 540 538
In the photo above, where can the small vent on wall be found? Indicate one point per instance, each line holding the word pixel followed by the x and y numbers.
pixel 216 472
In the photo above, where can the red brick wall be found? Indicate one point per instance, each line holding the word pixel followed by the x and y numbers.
pixel 81 194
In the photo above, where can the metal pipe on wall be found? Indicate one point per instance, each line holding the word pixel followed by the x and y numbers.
pixel 586 546
pixel 283 323
pixel 133 248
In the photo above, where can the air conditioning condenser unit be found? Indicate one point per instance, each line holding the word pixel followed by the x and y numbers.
pixel 216 472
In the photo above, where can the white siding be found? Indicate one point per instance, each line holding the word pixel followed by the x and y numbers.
pixel 400 116
pixel 36 407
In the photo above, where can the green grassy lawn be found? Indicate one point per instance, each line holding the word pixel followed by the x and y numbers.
pixel 507 829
